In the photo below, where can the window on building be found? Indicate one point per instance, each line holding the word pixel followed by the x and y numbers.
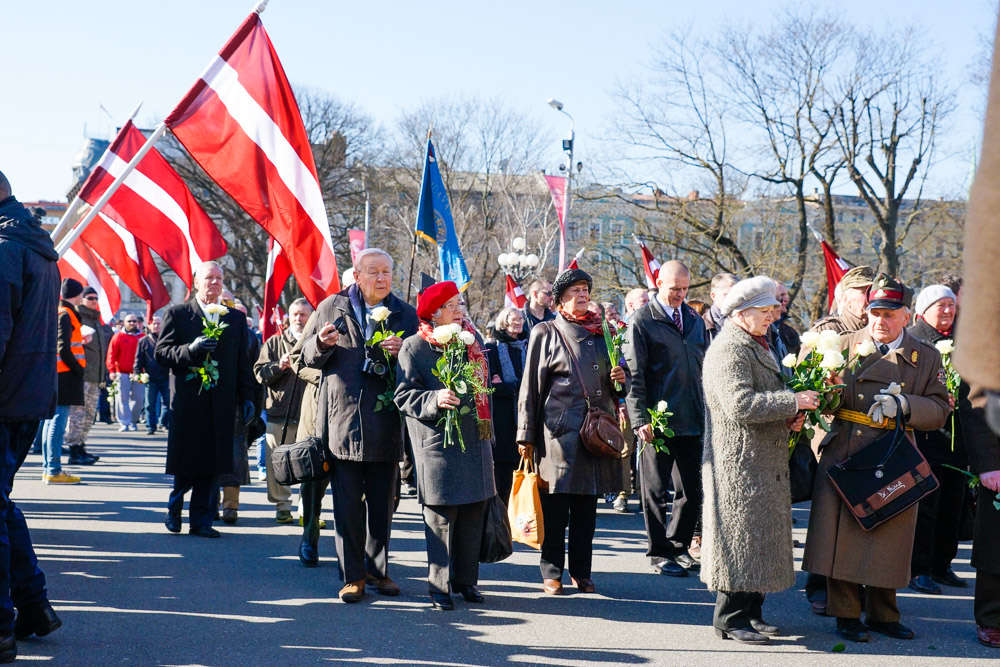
pixel 595 229
pixel 572 230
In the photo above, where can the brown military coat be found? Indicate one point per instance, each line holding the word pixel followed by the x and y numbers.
pixel 845 323
pixel 837 547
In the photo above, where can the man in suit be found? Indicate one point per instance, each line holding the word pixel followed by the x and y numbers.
pixel 357 417
pixel 667 343
pixel 837 547
pixel 200 441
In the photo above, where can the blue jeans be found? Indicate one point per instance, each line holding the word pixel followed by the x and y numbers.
pixel 157 404
pixel 262 446
pixel 21 582
pixel 52 441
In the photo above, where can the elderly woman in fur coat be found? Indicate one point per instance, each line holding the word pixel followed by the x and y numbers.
pixel 747 515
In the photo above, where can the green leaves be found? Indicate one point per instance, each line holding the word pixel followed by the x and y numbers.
pixel 839 648
pixel 658 420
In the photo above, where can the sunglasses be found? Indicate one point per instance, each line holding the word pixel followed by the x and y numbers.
pixel 90 298
pixel 545 292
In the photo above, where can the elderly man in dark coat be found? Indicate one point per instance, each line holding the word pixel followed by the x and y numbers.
pixel 200 442
pixel 667 343
pixel 29 294
pixel 837 546
pixel 356 416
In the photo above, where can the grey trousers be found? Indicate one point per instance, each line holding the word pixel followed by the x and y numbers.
pixel 454 535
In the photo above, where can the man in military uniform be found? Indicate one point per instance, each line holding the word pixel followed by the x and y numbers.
pixel 851 315
pixel 837 547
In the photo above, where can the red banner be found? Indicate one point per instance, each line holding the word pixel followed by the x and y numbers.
pixel 356 238
pixel 557 186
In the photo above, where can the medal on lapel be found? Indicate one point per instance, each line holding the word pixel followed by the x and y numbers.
pixel 913 356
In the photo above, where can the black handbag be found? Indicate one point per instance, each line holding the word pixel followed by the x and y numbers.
pixel 802 472
pixel 303 461
pixel 885 478
pixel 496 544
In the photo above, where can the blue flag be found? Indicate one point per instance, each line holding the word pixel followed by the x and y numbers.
pixel 434 222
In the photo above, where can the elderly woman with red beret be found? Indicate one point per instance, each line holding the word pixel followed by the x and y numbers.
pixel 453 484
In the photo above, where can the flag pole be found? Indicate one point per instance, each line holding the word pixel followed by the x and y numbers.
pixel 413 249
pixel 71 238
pixel 64 221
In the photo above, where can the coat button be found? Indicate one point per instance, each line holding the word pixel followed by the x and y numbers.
pixel 861 396
pixel 590 342
pixel 600 393
pixel 596 367
pixel 857 432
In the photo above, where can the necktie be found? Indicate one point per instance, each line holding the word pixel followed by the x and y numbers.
pixel 883 348
pixel 677 320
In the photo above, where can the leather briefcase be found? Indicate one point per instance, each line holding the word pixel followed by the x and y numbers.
pixel 885 478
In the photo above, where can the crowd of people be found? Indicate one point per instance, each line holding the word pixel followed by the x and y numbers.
pixel 699 390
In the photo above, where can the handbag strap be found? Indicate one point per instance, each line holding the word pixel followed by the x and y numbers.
pixel 291 400
pixel 574 363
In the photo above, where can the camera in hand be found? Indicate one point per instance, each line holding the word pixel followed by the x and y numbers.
pixel 340 325
pixel 374 365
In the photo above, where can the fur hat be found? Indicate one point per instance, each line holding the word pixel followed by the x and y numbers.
pixel 755 292
pixel 70 288
pixel 435 296
pixel 932 294
pixel 567 278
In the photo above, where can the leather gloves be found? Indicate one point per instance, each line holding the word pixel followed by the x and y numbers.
pixel 885 406
pixel 203 344
pixel 248 411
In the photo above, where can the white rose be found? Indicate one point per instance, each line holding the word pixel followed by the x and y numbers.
pixel 809 339
pixel 864 348
pixel 789 361
pixel 467 337
pixel 456 328
pixel 829 337
pixel 381 314
pixel 832 362
pixel 946 346
pixel 443 335
pixel 216 309
pixel 661 406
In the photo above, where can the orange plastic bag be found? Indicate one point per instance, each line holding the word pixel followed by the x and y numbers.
pixel 525 507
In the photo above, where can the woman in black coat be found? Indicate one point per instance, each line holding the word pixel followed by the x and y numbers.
pixel 506 356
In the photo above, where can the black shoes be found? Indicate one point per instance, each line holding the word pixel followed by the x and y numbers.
pixel 687 562
pixel 441 601
pixel 924 584
pixel 78 456
pixel 38 619
pixel 468 593
pixel 8 649
pixel 308 553
pixel 230 515
pixel 853 630
pixel 204 531
pixel 895 629
pixel 670 568
pixel 764 628
pixel 173 523
pixel 743 636
pixel 949 578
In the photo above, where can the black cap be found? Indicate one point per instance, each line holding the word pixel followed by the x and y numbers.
pixel 70 288
pixel 89 291
pixel 889 293
pixel 570 277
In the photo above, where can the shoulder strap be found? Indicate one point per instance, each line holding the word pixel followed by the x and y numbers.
pixel 573 362
pixel 291 399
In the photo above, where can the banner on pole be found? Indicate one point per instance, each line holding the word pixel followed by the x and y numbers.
pixel 356 240
pixel 557 188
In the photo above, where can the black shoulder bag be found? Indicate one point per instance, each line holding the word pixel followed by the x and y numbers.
pixel 303 461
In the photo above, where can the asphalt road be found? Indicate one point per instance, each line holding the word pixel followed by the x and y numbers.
pixel 131 593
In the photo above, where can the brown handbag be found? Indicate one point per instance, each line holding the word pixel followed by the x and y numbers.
pixel 600 433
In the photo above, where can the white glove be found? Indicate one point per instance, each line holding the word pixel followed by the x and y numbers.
pixel 885 407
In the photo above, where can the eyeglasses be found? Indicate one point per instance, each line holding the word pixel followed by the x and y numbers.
pixel 545 292
pixel 90 298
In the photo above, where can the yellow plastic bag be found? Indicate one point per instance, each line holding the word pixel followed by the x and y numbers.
pixel 525 507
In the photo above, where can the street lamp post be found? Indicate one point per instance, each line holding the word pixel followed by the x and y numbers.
pixel 364 189
pixel 517 263
pixel 567 145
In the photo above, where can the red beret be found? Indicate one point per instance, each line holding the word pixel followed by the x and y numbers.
pixel 434 297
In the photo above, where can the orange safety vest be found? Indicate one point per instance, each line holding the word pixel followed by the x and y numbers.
pixel 76 342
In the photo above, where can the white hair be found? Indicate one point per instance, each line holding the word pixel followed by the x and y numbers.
pixel 200 273
pixel 371 252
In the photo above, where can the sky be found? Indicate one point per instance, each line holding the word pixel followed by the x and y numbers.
pixel 65 60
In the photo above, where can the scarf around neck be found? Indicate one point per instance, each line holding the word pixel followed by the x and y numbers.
pixel 591 321
pixel 475 355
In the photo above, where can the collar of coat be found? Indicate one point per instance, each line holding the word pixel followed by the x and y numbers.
pixel 575 330
pixel 763 356
pixel 926 332
pixel 660 315
pixel 908 352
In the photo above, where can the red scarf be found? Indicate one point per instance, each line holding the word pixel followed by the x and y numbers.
pixel 591 321
pixel 476 356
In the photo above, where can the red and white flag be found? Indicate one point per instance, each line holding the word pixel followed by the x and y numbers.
pixel 155 205
pixel 278 270
pixel 557 186
pixel 649 264
pixel 130 259
pixel 513 296
pixel 241 123
pixel 80 264
pixel 836 267
pixel 575 263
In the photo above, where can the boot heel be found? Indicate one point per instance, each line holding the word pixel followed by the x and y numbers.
pixel 721 634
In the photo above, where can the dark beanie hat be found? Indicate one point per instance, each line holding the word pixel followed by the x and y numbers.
pixel 88 290
pixel 567 278
pixel 70 288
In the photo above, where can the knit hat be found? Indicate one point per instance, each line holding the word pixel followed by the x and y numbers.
pixel 70 288
pixel 567 278
pixel 89 291
pixel 932 294
pixel 756 292
pixel 435 296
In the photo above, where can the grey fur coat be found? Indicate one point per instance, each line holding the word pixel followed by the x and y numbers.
pixel 747 511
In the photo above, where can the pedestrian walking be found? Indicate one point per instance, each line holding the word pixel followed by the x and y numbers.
pixel 81 417
pixel 121 364
pixel 157 380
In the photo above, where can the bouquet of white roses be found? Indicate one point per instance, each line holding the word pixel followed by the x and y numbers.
pixel 814 373
pixel 113 391
pixel 951 377
pixel 661 431
pixel 208 372
pixel 141 378
pixel 380 315
pixel 457 374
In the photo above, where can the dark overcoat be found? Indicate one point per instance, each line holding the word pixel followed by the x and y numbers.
pixel 346 416
pixel 551 407
pixel 936 445
pixel 505 403
pixel 837 547
pixel 445 475
pixel 984 456
pixel 200 440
